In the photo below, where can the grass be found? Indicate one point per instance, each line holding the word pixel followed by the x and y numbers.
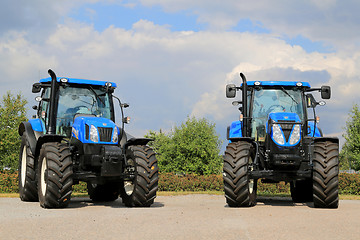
pixel 342 197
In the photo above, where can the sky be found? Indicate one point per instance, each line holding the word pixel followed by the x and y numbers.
pixel 172 59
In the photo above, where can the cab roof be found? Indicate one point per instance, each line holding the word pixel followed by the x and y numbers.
pixel 278 83
pixel 78 81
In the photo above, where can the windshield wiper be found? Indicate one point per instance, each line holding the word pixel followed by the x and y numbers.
pixel 283 89
pixel 97 96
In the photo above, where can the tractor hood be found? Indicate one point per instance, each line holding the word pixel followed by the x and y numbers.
pixel 91 129
pixel 284 128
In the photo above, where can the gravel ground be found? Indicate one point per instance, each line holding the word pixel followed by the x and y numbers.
pixel 179 217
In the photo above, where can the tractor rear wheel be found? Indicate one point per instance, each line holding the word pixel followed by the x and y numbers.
pixel 301 191
pixel 240 190
pixel 141 190
pixel 27 174
pixel 104 192
pixel 325 175
pixel 55 175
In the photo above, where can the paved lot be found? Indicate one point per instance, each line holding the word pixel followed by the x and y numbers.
pixel 179 217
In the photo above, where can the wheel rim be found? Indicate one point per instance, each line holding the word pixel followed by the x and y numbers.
pixel 129 185
pixel 23 167
pixel 43 176
pixel 251 186
pixel 251 182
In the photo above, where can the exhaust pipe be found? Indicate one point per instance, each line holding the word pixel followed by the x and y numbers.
pixel 245 107
pixel 53 103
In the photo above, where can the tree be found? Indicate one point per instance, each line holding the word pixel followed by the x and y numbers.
pixel 194 147
pixel 350 153
pixel 12 113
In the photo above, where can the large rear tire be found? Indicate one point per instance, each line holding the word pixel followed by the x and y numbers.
pixel 240 190
pixel 141 191
pixel 301 191
pixel 103 193
pixel 55 175
pixel 325 175
pixel 27 174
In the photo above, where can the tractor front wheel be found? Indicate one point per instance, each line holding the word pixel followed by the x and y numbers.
pixel 55 175
pixel 240 189
pixel 27 174
pixel 141 190
pixel 325 175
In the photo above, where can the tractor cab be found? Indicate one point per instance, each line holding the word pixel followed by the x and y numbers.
pixel 76 97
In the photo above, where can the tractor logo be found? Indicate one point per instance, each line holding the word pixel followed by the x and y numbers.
pixel 104 124
pixel 75 133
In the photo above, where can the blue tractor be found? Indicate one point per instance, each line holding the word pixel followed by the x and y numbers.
pixel 277 138
pixel 73 137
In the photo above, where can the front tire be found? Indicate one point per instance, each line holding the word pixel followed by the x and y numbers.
pixel 141 191
pixel 27 174
pixel 55 175
pixel 325 175
pixel 240 190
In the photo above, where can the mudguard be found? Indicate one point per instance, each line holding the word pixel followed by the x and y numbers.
pixel 330 139
pixel 137 141
pixel 26 127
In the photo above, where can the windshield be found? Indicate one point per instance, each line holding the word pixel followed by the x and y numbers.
pixel 267 101
pixel 75 100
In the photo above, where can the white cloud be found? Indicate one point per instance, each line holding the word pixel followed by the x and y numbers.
pixel 167 75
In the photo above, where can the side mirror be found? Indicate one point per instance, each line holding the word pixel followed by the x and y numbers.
pixel 36 88
pixel 325 92
pixel 230 90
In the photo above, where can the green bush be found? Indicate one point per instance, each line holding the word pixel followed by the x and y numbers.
pixel 348 183
pixel 9 181
pixel 191 148
pixel 190 182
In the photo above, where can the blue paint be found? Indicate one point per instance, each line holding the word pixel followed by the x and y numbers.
pixel 235 130
pixel 37 125
pixel 284 116
pixel 80 81
pixel 311 126
pixel 278 83
pixel 78 128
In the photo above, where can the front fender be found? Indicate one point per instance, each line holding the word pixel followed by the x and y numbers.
pixel 26 128
pixel 137 141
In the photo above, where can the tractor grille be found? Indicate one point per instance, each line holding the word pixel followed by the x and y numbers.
pixel 286 126
pixel 105 134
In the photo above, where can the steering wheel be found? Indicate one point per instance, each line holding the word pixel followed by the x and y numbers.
pixel 272 107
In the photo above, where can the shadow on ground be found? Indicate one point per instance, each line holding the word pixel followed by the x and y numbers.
pixel 80 202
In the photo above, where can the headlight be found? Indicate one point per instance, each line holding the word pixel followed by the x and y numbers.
pixel 277 134
pixel 115 137
pixel 295 135
pixel 94 134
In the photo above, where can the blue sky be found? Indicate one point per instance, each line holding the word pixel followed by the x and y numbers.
pixel 172 59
